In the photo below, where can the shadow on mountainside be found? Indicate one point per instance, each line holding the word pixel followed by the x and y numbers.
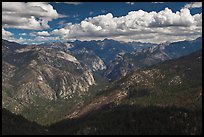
pixel 133 120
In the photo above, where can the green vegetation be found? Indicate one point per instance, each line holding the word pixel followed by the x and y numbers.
pixel 165 99
pixel 17 125
pixel 48 112
pixel 133 120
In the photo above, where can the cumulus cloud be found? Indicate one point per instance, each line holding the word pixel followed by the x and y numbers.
pixel 136 25
pixel 193 5
pixel 10 36
pixel 45 39
pixel 19 40
pixel 6 34
pixel 130 3
pixel 22 34
pixel 28 15
pixel 62 32
pixel 40 33
pixel 40 37
pixel 36 40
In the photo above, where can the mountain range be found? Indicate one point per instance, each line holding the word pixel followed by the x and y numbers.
pixel 86 84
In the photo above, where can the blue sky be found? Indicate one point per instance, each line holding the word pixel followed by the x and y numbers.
pixel 134 21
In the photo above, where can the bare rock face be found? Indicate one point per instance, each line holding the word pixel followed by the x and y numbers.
pixel 123 64
pixel 42 72
pixel 90 59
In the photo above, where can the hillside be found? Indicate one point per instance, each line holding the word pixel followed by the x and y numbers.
pixel 70 83
pixel 163 99
pixel 102 68
pixel 17 125
pixel 125 63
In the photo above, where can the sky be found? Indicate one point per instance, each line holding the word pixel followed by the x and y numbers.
pixel 154 22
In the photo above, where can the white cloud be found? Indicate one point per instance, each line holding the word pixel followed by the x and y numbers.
pixel 6 34
pixel 45 39
pixel 40 33
pixel 19 40
pixel 89 27
pixel 193 5
pixel 62 32
pixel 43 33
pixel 137 26
pixel 71 3
pixel 40 37
pixel 28 15
pixel 168 18
pixel 22 34
pixel 36 40
pixel 130 3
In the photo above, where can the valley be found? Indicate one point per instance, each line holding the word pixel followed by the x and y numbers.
pixel 102 68
pixel 49 85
